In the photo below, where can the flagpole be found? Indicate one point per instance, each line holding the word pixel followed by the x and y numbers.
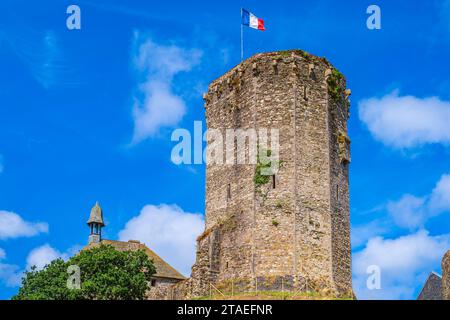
pixel 242 38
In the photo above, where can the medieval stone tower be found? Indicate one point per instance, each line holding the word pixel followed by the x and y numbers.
pixel 292 230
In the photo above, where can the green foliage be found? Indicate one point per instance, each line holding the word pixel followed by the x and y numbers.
pixel 259 179
pixel 106 274
pixel 279 204
pixel 304 54
pixel 335 84
pixel 275 223
pixel 287 53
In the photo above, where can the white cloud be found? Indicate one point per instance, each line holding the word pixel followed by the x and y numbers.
pixel 406 121
pixel 43 255
pixel 404 262
pixel 10 274
pixel 41 53
pixel 408 212
pixel 169 231
pixel 156 105
pixel 361 233
pixel 413 212
pixel 13 226
pixel 440 197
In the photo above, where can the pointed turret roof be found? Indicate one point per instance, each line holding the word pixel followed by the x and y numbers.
pixel 96 215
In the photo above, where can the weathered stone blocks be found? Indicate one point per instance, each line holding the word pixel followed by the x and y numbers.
pixel 446 276
pixel 293 232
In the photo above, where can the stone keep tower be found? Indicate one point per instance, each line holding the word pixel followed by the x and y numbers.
pixel 292 233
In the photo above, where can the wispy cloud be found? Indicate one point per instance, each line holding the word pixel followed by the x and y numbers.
pixel 363 232
pixel 406 121
pixel 10 274
pixel 168 230
pixel 41 52
pixel 413 212
pixel 13 225
pixel 156 105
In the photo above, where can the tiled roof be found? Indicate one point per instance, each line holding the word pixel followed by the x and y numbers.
pixel 163 269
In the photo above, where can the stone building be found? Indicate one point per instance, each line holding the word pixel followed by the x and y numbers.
pixel 290 230
pixel 438 287
pixel 165 275
pixel 446 276
pixel 432 289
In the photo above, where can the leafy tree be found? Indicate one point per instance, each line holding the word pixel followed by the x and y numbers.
pixel 106 274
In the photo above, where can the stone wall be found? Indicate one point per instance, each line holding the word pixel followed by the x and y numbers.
pixel 161 289
pixel 295 236
pixel 432 289
pixel 446 276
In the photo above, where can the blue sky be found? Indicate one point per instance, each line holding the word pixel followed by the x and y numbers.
pixel 87 115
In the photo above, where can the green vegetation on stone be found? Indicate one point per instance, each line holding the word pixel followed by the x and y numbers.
pixel 259 179
pixel 334 81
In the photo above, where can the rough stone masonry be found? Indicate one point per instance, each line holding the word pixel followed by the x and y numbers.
pixel 446 276
pixel 291 232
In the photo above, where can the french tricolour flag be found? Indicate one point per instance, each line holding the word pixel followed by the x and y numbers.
pixel 252 21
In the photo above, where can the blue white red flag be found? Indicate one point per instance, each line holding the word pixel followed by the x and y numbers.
pixel 252 21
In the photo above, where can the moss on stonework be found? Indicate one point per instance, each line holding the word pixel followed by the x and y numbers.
pixel 275 223
pixel 335 88
pixel 304 54
pixel 227 224
pixel 288 53
pixel 259 179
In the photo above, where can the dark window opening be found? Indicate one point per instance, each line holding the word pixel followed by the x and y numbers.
pixel 153 282
pixel 274 181
pixel 229 191
pixel 227 265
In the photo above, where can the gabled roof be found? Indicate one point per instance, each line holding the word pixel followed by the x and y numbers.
pixel 163 269
pixel 432 289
